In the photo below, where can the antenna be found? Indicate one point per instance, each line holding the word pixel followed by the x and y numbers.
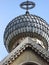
pixel 27 5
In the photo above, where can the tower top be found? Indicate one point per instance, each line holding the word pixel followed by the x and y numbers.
pixel 27 5
pixel 26 26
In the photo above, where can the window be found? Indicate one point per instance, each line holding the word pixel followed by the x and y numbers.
pixel 30 63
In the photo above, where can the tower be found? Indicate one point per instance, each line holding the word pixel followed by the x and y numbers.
pixel 26 38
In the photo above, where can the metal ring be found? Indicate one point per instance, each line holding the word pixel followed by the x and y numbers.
pixel 27 5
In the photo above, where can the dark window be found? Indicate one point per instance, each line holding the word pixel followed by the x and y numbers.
pixel 29 63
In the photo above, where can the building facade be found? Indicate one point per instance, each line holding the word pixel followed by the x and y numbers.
pixel 26 38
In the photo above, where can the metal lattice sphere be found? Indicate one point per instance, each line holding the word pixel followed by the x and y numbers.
pixel 26 25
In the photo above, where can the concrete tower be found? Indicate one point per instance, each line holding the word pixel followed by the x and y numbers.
pixel 26 38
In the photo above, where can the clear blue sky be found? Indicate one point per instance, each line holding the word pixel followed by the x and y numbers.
pixel 10 9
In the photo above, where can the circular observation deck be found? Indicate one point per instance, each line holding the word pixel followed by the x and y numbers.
pixel 26 25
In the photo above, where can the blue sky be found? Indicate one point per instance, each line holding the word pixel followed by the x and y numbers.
pixel 10 9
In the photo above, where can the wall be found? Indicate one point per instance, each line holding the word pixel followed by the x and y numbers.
pixel 29 55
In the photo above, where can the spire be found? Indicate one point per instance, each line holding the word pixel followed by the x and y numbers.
pixel 27 5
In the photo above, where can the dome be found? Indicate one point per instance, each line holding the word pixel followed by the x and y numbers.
pixel 23 26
